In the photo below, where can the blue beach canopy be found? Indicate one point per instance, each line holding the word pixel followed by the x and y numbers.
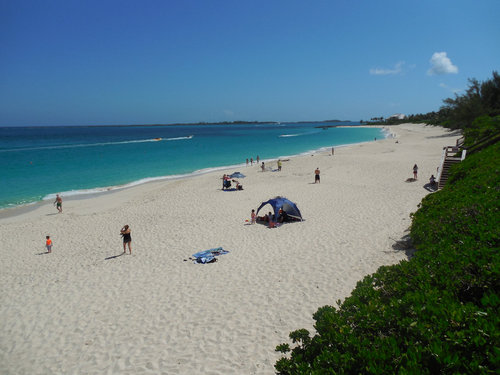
pixel 287 206
pixel 237 175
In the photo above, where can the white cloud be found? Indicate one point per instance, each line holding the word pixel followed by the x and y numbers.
pixel 441 64
pixel 398 68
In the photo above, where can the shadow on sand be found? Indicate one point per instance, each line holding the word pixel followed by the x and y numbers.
pixel 114 256
pixel 431 187
pixel 404 244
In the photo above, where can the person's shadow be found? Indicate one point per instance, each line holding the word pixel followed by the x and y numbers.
pixel 114 256
pixel 431 187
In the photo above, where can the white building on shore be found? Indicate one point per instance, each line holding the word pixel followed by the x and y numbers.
pixel 397 116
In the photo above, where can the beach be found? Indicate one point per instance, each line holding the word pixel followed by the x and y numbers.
pixel 86 308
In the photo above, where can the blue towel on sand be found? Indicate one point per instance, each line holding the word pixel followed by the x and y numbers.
pixel 208 256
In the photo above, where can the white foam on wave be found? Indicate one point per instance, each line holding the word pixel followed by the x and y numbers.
pixel 98 144
pixel 82 192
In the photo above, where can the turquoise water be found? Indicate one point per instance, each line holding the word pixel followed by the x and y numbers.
pixel 38 162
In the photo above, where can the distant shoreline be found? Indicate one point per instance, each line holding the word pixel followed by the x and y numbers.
pixel 187 124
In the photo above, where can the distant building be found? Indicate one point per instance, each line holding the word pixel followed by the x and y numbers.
pixel 397 116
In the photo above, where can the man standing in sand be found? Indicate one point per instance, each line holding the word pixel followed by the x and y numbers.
pixel 58 203
pixel 316 176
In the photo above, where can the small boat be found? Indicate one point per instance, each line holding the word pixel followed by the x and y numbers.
pixel 157 139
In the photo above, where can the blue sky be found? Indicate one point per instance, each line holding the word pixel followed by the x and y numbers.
pixel 147 62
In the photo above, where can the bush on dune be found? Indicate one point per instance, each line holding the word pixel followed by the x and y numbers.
pixel 436 313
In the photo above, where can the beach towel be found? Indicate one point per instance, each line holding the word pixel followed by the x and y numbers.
pixel 208 256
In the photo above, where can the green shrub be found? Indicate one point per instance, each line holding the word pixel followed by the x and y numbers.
pixel 481 128
pixel 438 312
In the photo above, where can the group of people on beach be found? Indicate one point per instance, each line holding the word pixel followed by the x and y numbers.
pixel 251 160
pixel 226 183
pixel 269 218
pixel 48 240
pixel 124 232
pixel 432 179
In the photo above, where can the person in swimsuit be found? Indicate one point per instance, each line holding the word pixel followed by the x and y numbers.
pixel 316 176
pixel 58 203
pixel 415 171
pixel 127 239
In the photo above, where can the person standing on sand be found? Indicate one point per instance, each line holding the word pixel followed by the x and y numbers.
pixel 316 176
pixel 333 151
pixel 58 203
pixel 127 239
pixel 279 165
pixel 48 244
pixel 263 166
pixel 415 171
pixel 253 219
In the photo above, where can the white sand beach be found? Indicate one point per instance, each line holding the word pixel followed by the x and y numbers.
pixel 87 309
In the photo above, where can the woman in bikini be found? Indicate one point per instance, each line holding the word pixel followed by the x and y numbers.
pixel 127 239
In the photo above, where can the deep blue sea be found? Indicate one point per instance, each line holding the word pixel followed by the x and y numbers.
pixel 38 162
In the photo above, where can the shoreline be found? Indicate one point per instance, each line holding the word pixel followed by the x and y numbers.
pixel 6 212
pixel 87 308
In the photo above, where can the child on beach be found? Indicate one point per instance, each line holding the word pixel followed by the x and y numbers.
pixel 253 217
pixel 48 244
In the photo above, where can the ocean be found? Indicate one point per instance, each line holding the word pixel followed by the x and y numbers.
pixel 38 162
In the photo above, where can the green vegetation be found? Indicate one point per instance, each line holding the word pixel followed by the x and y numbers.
pixel 480 99
pixel 439 311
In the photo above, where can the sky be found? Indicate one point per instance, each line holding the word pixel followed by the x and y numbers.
pixel 107 62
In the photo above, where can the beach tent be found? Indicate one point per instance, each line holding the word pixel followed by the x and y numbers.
pixel 287 206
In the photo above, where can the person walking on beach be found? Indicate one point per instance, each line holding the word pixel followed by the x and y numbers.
pixel 127 239
pixel 253 217
pixel 333 151
pixel 48 244
pixel 316 176
pixel 279 165
pixel 415 171
pixel 58 203
pixel 263 167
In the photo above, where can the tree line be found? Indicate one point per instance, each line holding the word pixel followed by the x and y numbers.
pixel 480 99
